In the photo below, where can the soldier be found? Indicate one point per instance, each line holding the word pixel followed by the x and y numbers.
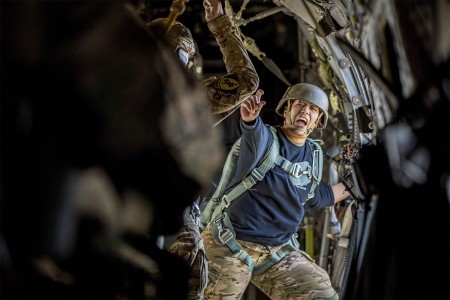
pixel 225 94
pixel 255 237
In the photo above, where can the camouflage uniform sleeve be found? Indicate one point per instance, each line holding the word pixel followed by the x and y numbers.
pixel 189 246
pixel 227 92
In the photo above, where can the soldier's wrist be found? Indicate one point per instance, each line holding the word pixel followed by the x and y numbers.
pixel 220 24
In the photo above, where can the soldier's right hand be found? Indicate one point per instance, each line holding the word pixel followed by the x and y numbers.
pixel 252 106
pixel 213 9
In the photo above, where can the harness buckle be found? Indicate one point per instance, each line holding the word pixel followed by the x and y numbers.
pixel 225 200
pixel 297 171
pixel 257 174
pixel 218 222
pixel 225 235
pixel 293 241
pixel 315 164
pixel 308 172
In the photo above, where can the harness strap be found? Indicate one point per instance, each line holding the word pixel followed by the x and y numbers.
pixel 291 245
pixel 222 229
pixel 298 169
pixel 256 175
pixel 210 212
pixel 293 169
pixel 223 234
pixel 216 205
pixel 316 167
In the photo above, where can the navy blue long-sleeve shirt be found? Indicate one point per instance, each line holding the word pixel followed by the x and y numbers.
pixel 271 211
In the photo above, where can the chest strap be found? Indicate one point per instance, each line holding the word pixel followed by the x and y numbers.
pixel 303 168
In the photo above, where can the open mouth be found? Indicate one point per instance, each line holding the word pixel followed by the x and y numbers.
pixel 301 122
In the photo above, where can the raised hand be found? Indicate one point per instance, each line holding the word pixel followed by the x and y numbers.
pixel 251 107
pixel 213 9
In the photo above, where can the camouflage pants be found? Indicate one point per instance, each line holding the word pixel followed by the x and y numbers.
pixel 189 246
pixel 296 276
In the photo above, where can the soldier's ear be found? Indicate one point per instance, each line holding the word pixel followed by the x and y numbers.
pixel 316 123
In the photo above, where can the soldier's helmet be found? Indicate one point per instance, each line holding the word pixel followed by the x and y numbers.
pixel 309 93
pixel 178 38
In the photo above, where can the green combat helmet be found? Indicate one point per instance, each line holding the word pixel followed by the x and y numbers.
pixel 178 38
pixel 309 93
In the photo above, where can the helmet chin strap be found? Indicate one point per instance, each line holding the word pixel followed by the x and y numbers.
pixel 297 128
pixel 293 127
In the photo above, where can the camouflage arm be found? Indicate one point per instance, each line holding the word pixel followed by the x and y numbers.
pixel 188 242
pixel 189 246
pixel 226 93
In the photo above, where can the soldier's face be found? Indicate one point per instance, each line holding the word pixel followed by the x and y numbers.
pixel 303 114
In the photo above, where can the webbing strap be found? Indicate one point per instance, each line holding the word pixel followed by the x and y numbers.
pixel 223 233
pixel 256 175
pixel 240 253
pixel 216 205
pixel 316 167
pixel 293 169
pixel 298 169
pixel 288 247
pixel 210 212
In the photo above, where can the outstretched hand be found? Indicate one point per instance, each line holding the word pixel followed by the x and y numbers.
pixel 213 9
pixel 251 107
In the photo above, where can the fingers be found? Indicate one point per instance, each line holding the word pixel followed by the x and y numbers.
pixel 251 110
pixel 213 9
pixel 259 107
pixel 210 2
pixel 254 104
pixel 258 95
pixel 250 105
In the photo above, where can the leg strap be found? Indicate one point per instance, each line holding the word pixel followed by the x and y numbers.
pixel 224 234
pixel 291 245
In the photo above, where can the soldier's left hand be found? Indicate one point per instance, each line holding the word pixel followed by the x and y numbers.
pixel 213 9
